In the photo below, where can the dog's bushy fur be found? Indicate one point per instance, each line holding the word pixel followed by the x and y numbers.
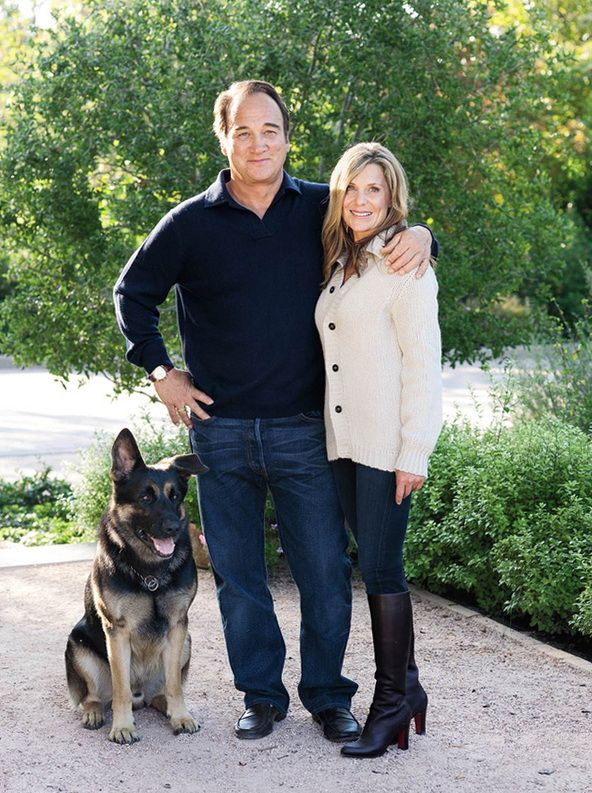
pixel 132 647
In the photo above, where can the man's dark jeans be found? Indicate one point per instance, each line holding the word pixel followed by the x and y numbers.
pixel 288 456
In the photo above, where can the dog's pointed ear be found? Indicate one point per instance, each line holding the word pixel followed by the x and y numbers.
pixel 125 456
pixel 187 464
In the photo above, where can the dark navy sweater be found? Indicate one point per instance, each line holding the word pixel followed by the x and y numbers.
pixel 246 290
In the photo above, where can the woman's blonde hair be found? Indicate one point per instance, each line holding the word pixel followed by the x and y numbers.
pixel 337 237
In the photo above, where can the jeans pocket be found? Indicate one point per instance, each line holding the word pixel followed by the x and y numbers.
pixel 197 422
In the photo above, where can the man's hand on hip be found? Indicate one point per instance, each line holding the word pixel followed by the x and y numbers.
pixel 409 249
pixel 178 393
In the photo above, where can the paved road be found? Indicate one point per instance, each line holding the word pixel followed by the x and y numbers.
pixel 44 423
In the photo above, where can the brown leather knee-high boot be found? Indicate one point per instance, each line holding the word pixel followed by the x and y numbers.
pixel 416 697
pixel 390 714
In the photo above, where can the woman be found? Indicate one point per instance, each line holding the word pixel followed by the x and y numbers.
pixel 381 343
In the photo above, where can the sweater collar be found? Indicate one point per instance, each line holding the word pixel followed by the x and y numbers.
pixel 218 193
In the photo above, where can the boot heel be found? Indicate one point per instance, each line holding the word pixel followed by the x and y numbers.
pixel 420 722
pixel 403 739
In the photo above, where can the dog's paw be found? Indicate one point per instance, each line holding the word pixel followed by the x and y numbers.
pixel 184 724
pixel 124 734
pixel 93 719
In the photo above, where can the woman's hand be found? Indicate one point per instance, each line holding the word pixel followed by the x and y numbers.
pixel 406 483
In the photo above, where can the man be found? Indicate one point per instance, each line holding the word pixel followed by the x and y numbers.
pixel 245 259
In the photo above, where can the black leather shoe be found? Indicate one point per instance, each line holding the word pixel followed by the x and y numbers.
pixel 257 721
pixel 338 724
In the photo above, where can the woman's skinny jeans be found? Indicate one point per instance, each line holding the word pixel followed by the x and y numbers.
pixel 367 497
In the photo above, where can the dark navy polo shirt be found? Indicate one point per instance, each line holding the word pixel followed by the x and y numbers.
pixel 246 290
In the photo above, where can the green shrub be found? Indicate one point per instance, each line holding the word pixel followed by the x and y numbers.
pixel 582 621
pixel 506 516
pixel 545 563
pixel 36 510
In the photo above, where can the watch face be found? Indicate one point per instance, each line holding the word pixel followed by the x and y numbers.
pixel 159 373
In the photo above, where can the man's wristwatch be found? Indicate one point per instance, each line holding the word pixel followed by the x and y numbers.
pixel 158 374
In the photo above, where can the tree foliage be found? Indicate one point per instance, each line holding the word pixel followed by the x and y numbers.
pixel 566 133
pixel 15 44
pixel 113 126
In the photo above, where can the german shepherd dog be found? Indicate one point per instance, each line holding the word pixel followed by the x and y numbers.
pixel 132 647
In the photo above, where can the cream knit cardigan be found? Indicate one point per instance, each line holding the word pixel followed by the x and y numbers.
pixel 381 343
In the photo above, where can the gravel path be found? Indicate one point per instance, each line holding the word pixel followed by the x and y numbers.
pixel 504 717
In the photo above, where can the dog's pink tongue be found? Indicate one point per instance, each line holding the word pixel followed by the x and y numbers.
pixel 165 547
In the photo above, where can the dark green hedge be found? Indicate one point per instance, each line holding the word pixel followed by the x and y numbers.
pixel 506 516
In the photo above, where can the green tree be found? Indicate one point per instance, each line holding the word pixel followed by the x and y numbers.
pixel 19 34
pixel 566 127
pixel 14 41
pixel 112 128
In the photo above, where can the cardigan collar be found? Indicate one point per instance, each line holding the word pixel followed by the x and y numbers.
pixel 376 244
